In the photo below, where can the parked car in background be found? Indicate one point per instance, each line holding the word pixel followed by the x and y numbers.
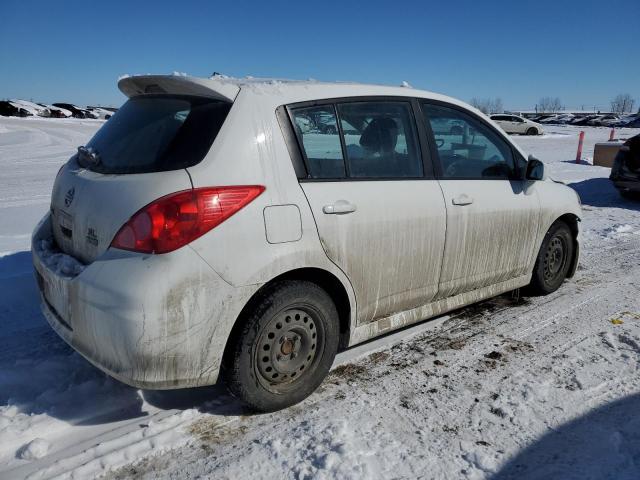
pixel 558 119
pixel 76 111
pixel 210 233
pixel 34 108
pixel 516 124
pixel 543 116
pixel 629 121
pixel 604 120
pixel 57 112
pixel 101 112
pixel 583 120
pixel 11 109
pixel 625 172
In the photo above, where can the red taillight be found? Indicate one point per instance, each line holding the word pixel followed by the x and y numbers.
pixel 177 219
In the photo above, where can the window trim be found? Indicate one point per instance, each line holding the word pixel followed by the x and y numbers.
pixel 519 172
pixel 298 154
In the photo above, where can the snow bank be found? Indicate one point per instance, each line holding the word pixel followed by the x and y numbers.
pixel 36 448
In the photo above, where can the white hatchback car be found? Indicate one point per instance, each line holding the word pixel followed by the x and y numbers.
pixel 516 124
pixel 217 227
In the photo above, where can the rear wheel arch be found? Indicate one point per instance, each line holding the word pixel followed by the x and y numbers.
pixel 324 279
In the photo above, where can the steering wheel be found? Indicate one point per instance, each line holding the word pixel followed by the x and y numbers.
pixel 454 168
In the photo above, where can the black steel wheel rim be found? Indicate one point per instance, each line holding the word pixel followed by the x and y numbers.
pixel 289 347
pixel 555 258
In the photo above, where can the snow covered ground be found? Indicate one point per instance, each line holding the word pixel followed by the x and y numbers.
pixel 511 388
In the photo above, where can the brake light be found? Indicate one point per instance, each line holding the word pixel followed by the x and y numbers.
pixel 179 218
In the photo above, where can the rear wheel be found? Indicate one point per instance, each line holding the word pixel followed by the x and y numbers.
pixel 532 131
pixel 284 349
pixel 553 261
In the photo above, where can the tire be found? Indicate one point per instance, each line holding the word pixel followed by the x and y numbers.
pixel 628 195
pixel 553 261
pixel 284 348
pixel 532 131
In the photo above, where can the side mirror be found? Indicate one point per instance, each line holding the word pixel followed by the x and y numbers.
pixel 535 169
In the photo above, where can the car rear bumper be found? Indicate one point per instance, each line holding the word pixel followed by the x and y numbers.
pixel 151 321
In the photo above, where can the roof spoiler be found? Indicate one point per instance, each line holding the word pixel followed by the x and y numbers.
pixel 178 84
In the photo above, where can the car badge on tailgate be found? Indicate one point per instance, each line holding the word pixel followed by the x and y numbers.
pixel 68 198
pixel 92 237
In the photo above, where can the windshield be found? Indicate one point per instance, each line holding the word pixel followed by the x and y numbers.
pixel 153 133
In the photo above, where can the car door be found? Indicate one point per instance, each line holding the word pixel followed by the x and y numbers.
pixel 379 211
pixel 506 123
pixel 492 214
pixel 519 125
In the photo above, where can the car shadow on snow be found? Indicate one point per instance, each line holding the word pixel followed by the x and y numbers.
pixel 600 192
pixel 604 443
pixel 41 374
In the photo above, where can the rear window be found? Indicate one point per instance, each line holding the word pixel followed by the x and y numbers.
pixel 154 133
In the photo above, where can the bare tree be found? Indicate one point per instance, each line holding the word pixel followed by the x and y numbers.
pixel 623 103
pixel 487 105
pixel 549 105
pixel 496 106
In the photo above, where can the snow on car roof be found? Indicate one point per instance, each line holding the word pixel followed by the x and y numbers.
pixel 281 90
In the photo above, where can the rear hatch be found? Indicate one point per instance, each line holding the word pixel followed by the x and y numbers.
pixel 138 156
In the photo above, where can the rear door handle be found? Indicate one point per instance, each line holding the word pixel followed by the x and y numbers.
pixel 340 207
pixel 463 199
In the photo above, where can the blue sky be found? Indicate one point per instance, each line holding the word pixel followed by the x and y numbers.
pixel 584 52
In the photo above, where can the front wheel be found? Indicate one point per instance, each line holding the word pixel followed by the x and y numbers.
pixel 553 261
pixel 629 195
pixel 281 353
pixel 532 131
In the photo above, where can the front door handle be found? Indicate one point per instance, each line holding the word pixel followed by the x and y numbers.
pixel 340 207
pixel 463 199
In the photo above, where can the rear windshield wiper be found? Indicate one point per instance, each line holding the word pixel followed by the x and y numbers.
pixel 88 157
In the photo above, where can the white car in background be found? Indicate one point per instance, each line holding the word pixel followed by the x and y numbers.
pixel 516 124
pixel 33 108
pixel 102 113
pixel 57 112
pixel 206 231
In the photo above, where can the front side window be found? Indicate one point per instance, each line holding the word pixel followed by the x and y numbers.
pixel 380 140
pixel 467 148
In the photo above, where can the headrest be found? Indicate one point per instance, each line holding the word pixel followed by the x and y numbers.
pixel 380 135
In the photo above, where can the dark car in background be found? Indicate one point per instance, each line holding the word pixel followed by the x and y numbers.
pixel 583 121
pixel 625 172
pixel 10 109
pixel 629 121
pixel 77 112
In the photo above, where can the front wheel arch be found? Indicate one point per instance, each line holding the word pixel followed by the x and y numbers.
pixel 572 222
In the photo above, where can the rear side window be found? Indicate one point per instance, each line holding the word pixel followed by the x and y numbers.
pixel 318 129
pixel 155 133
pixel 378 139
